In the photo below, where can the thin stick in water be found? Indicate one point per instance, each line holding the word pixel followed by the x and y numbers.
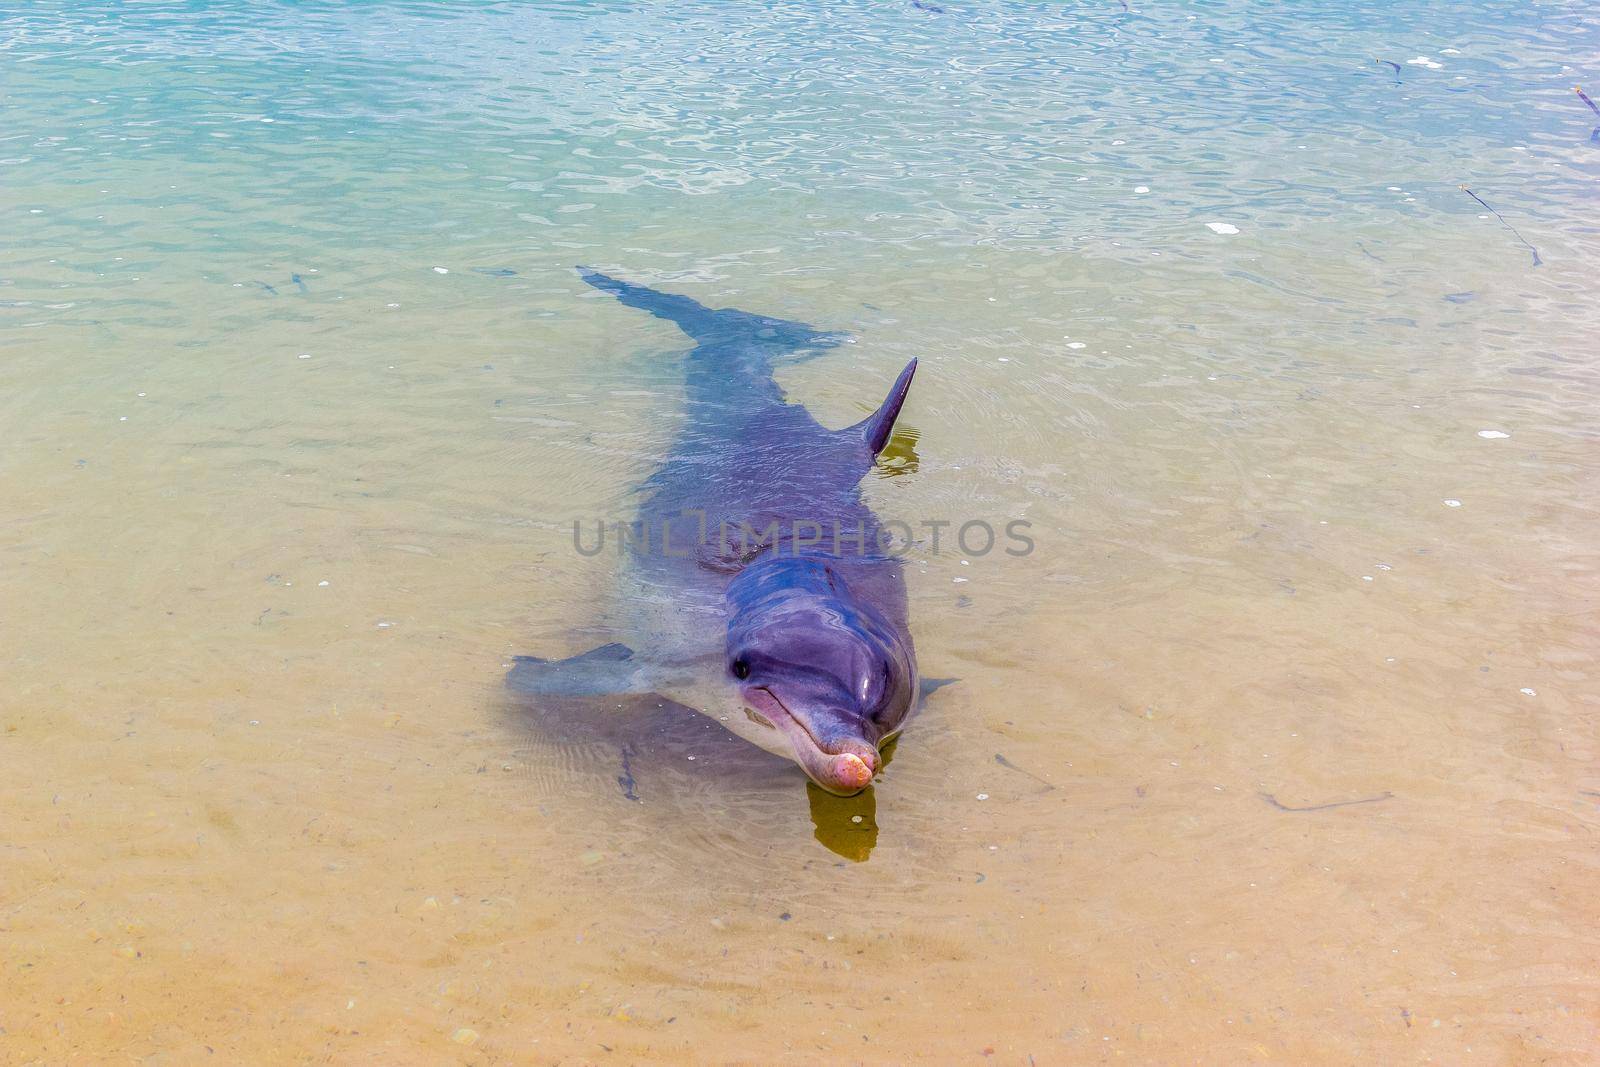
pixel 1008 765
pixel 1536 260
pixel 1390 63
pixel 1275 802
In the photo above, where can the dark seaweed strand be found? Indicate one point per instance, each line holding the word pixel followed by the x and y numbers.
pixel 625 779
pixel 1275 802
pixel 1536 260
pixel 1390 63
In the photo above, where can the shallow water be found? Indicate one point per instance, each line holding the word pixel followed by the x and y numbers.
pixel 268 545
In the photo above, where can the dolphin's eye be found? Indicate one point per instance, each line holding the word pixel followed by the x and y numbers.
pixel 741 669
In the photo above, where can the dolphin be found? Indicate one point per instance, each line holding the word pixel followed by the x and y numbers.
pixel 758 587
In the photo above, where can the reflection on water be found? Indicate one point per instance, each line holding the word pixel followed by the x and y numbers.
pixel 899 456
pixel 301 397
pixel 846 826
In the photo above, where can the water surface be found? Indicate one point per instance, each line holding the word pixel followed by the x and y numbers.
pixel 301 397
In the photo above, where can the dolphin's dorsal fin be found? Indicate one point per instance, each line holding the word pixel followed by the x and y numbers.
pixel 875 430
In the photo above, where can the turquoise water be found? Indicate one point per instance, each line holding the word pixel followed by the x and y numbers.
pixel 827 134
pixel 1305 431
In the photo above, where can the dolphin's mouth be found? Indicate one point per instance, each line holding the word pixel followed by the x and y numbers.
pixel 843 772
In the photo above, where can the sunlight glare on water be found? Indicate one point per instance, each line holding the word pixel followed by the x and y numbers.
pixel 1277 324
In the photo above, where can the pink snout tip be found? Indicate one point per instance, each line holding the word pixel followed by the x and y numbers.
pixel 851 773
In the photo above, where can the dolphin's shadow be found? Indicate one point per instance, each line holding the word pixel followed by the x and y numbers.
pixel 656 750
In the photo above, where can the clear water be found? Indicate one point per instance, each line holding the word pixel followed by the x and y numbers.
pixel 266 545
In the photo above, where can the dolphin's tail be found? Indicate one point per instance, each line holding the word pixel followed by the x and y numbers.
pixel 688 314
pixel 711 325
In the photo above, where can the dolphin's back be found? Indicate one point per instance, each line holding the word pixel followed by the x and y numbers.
pixel 744 454
pixel 749 471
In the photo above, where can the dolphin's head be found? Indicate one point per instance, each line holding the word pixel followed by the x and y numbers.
pixel 813 662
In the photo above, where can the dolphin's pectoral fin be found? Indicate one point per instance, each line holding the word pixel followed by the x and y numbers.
pixel 608 669
pixel 929 686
